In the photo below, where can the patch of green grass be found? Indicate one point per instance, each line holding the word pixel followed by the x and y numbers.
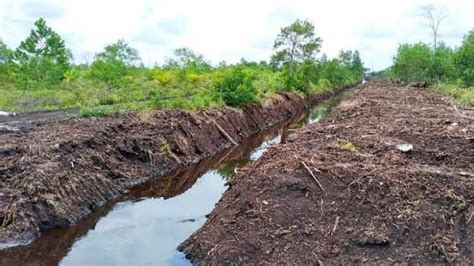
pixel 460 95
pixel 150 89
pixel 346 145
pixel 98 111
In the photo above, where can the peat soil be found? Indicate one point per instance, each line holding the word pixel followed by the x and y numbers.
pixel 54 173
pixel 54 245
pixel 342 192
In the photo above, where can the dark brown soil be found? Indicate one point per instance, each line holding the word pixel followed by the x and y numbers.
pixel 57 243
pixel 376 204
pixel 52 174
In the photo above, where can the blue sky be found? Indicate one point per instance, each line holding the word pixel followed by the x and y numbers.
pixel 230 30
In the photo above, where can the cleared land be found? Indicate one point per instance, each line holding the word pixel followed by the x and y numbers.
pixel 341 191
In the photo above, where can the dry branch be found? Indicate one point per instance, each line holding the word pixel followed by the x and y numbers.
pixel 312 175
pixel 459 113
pixel 222 130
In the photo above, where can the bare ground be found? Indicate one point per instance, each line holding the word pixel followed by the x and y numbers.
pixel 368 202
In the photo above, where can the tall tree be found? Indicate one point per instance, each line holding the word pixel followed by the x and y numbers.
pixel 433 18
pixel 296 44
pixel 42 57
pixel 357 67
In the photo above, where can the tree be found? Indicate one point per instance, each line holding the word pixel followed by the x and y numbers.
pixel 433 18
pixel 357 67
pixel 412 62
pixel 186 59
pixel 114 62
pixel 332 71
pixel 345 58
pixel 294 45
pixel 441 66
pixel 5 53
pixel 6 56
pixel 464 60
pixel 42 58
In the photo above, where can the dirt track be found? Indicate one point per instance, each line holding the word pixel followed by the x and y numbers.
pixel 54 173
pixel 374 204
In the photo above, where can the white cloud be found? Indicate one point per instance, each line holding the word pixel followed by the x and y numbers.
pixel 230 30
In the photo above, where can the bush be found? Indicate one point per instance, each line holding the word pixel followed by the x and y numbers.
pixel 460 95
pixel 412 62
pixel 464 60
pixel 114 63
pixel 236 88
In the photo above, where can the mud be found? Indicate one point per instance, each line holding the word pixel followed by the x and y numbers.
pixel 340 192
pixel 54 173
pixel 58 243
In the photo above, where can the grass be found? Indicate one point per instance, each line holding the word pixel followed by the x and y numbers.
pixel 140 92
pixel 460 95
pixel 96 99
pixel 346 145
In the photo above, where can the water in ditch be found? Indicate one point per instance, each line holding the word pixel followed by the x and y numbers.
pixel 146 226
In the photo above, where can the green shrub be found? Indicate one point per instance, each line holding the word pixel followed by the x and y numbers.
pixel 464 60
pixel 99 111
pixel 236 88
pixel 114 63
pixel 412 62
pixel 459 94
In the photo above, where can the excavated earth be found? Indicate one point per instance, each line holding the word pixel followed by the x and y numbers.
pixel 368 202
pixel 52 174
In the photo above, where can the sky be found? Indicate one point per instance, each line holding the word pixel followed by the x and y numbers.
pixel 230 30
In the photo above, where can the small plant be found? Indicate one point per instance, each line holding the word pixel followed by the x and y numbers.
pixel 346 145
pixel 98 111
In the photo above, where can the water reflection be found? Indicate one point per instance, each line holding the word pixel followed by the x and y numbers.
pixel 147 225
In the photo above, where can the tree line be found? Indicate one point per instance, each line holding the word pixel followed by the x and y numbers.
pixel 443 64
pixel 39 75
pixel 438 64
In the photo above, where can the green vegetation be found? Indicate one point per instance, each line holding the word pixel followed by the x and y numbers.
pixel 449 70
pixel 114 63
pixel 41 59
pixel 464 60
pixel 38 75
pixel 296 48
pixel 347 145
pixel 459 94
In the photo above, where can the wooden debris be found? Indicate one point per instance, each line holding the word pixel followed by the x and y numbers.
pixel 314 177
pixel 335 225
pixel 221 130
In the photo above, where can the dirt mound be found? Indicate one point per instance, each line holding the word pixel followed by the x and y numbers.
pixel 54 173
pixel 343 191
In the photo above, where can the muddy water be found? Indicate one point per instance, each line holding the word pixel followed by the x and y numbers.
pixel 146 226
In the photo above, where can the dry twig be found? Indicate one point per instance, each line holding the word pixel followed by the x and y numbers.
pixel 222 130
pixel 459 113
pixel 312 175
pixel 335 225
